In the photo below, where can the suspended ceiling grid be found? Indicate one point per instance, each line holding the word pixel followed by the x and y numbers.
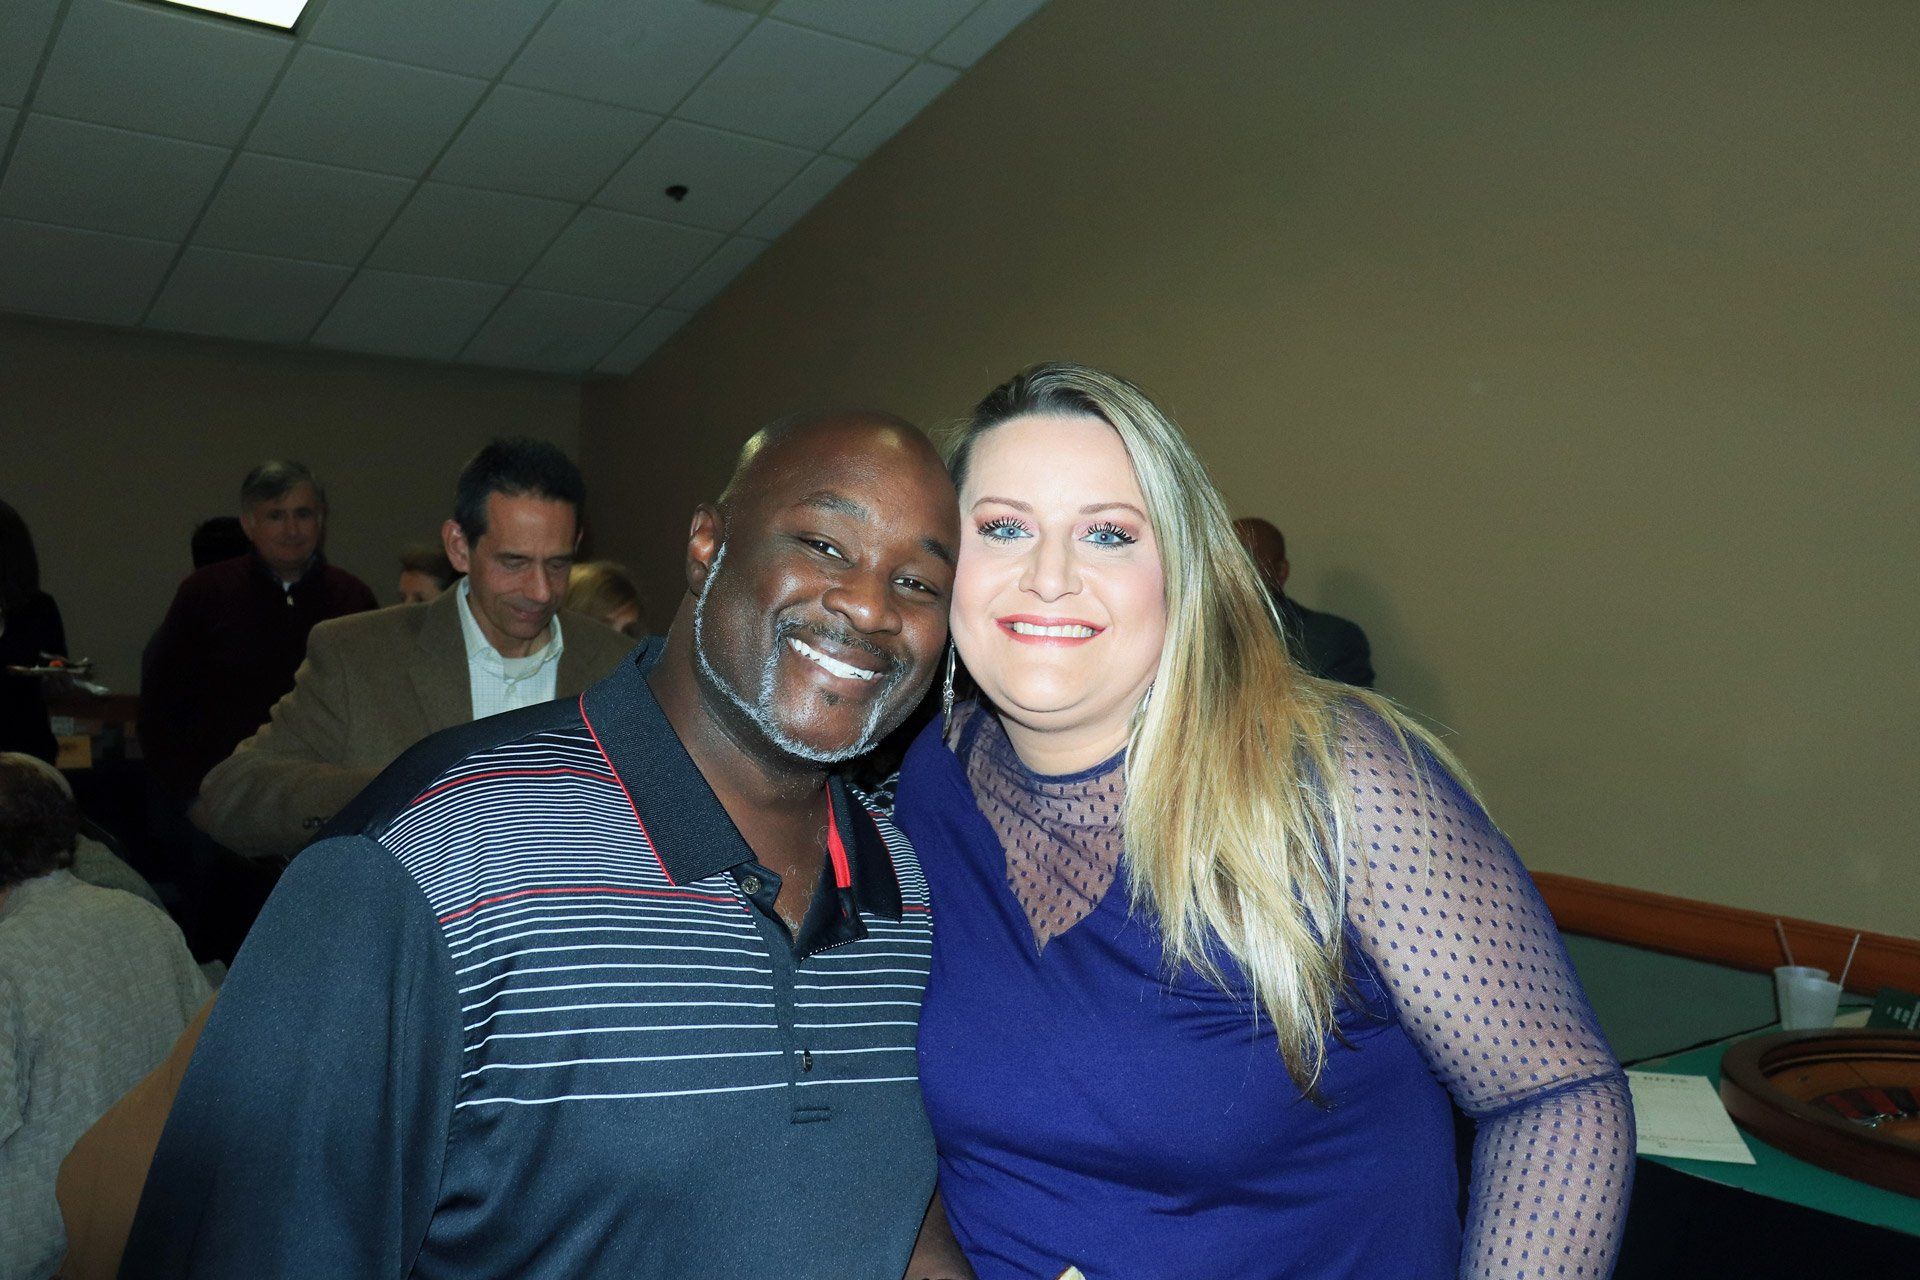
pixel 554 185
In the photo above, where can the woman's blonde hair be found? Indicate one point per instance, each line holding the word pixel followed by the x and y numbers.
pixel 1238 800
pixel 600 589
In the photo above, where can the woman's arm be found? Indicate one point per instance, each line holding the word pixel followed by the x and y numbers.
pixel 1479 978
pixel 936 1254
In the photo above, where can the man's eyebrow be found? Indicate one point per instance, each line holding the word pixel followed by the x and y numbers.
pixel 839 503
pixel 940 550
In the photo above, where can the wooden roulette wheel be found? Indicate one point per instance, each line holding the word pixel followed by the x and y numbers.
pixel 1846 1100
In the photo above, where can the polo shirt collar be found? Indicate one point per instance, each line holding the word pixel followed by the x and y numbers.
pixel 690 831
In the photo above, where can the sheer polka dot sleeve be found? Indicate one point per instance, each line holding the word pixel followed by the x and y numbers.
pixel 1477 973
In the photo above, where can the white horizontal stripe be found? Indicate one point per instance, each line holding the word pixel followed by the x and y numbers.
pixel 612 1004
pixel 617 1097
pixel 611 946
pixel 657 1057
pixel 847 1026
pixel 677 967
pixel 807 1084
pixel 602 986
pixel 621 930
pixel 610 1031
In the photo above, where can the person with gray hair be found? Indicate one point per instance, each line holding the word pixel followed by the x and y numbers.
pixel 237 630
pixel 95 986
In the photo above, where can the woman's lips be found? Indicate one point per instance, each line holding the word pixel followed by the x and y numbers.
pixel 1033 629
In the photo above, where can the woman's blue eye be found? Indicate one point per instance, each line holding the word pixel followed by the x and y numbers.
pixel 1109 535
pixel 1005 529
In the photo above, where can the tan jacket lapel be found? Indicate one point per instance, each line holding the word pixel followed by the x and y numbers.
pixel 439 667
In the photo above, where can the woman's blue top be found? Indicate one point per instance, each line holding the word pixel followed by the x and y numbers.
pixel 1093 1109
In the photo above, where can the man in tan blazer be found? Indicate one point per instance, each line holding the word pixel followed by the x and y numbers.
pixel 374 684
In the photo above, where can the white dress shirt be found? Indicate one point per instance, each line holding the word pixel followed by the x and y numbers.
pixel 504 684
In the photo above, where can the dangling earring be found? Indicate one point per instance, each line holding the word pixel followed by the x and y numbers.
pixel 946 692
pixel 1146 700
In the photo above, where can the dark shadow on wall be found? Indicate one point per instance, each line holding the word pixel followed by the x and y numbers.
pixel 1400 670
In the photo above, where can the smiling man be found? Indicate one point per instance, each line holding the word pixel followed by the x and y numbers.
pixel 376 683
pixel 621 986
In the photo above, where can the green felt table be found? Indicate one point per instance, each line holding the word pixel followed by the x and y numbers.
pixel 1779 1176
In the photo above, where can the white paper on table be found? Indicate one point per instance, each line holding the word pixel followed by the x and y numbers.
pixel 1680 1115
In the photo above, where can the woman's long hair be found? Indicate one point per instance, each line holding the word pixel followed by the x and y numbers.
pixel 19 566
pixel 1238 802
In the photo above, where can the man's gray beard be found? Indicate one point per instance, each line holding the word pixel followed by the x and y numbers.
pixel 759 711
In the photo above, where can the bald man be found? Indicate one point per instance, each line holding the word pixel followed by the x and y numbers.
pixel 624 985
pixel 1325 644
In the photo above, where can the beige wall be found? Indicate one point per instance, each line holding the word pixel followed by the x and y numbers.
pixel 1574 346
pixel 113 446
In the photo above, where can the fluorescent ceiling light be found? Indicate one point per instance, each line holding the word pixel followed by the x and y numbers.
pixel 273 13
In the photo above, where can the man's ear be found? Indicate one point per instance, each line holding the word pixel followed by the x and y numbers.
pixel 704 540
pixel 454 539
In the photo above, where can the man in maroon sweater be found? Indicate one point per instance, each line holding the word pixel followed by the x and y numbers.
pixel 237 630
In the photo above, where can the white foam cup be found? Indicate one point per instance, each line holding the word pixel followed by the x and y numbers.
pixel 1807 999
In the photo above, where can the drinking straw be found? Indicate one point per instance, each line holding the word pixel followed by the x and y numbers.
pixel 1850 950
pixel 1781 934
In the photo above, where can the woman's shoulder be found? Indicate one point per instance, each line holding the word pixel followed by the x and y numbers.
pixel 931 769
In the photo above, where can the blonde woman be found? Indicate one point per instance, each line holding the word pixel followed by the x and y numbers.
pixel 1219 942
pixel 602 589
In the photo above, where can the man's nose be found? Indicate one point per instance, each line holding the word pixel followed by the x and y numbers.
pixel 866 601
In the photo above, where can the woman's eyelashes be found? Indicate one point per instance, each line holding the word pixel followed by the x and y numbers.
pixel 1104 534
pixel 1004 529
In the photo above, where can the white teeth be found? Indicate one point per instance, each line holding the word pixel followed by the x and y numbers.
pixel 1067 632
pixel 834 665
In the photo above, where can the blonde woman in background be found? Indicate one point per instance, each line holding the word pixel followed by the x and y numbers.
pixel 601 589
pixel 1219 942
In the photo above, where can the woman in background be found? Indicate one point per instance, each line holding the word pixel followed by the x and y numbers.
pixel 601 589
pixel 1218 941
pixel 30 629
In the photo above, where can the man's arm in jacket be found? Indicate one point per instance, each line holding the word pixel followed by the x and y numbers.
pixel 281 785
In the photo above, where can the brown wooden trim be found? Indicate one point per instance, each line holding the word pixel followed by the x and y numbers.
pixel 1724 935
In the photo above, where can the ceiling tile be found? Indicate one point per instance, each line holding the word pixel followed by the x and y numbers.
pixel 986 27
pixel 622 258
pixel 470 234
pixel 715 274
pixel 24 28
pixel 241 295
pixel 159 70
pixel 86 175
pixel 291 209
pixel 542 144
pixel 910 28
pixel 645 339
pixel 78 275
pixel 800 195
pixel 644 54
pixel 898 105
pixel 400 315
pixel 472 37
pixel 793 85
pixel 534 329
pixel 728 176
pixel 362 113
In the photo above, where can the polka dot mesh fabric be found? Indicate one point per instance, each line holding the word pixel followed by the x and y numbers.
pixel 1061 835
pixel 1480 979
pixel 1448 918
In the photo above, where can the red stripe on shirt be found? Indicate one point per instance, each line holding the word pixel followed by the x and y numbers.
pixel 515 773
